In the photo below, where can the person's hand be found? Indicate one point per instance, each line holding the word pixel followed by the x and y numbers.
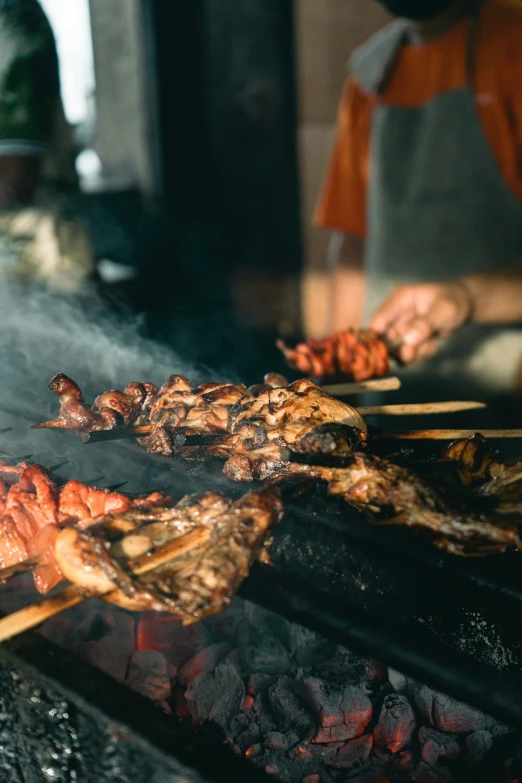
pixel 416 316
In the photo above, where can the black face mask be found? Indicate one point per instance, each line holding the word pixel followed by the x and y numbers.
pixel 416 10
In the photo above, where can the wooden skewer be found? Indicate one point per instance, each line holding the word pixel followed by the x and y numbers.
pixel 420 408
pixel 34 615
pixel 378 434
pixel 18 568
pixel 379 384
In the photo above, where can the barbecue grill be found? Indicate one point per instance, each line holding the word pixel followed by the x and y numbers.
pixel 446 621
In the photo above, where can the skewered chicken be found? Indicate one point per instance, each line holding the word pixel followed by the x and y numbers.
pixel 230 420
pixel 198 583
pixel 359 354
pixel 399 496
pixel 33 507
pixel 109 409
pixel 188 559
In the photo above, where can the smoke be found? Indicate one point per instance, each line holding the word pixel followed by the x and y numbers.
pixel 43 333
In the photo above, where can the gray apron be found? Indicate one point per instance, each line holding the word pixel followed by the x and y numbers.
pixel 438 208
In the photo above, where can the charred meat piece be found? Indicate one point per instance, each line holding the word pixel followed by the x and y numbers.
pixel 110 408
pixel 198 583
pixel 474 459
pixel 233 422
pixel 180 411
pixel 358 354
pixel 289 413
pixel 399 496
pixel 301 417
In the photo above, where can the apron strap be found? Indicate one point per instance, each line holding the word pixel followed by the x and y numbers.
pixel 473 11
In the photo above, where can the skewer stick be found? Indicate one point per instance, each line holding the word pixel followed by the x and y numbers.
pixel 18 568
pixel 378 434
pixel 34 615
pixel 420 408
pixel 379 384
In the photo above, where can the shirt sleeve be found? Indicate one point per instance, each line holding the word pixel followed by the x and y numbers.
pixel 342 203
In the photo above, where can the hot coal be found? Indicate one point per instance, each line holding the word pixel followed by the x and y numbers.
pixel 297 707
pixel 396 723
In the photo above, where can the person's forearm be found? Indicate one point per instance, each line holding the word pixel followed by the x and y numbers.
pixel 497 298
pixel 346 262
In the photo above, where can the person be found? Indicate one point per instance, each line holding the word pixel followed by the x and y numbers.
pixel 424 194
pixel 41 237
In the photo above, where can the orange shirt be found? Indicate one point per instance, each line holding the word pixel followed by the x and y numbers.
pixel 421 73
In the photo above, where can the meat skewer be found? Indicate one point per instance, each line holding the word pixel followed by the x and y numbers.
pixel 379 434
pixel 359 354
pixel 420 409
pixel 193 575
pixel 391 493
pixel 33 508
pixel 36 614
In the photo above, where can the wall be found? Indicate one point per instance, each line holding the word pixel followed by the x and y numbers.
pixel 122 103
pixel 326 34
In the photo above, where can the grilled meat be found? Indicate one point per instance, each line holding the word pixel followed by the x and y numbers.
pixel 182 411
pixel 358 354
pixel 399 496
pixel 222 420
pixel 33 508
pixel 109 409
pixel 200 582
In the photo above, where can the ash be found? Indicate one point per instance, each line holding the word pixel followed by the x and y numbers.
pixel 299 707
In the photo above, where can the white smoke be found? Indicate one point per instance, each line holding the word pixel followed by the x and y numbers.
pixel 43 333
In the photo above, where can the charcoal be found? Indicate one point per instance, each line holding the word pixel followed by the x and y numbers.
pixel 426 774
pixel 289 710
pixel 225 624
pixel 396 723
pixel 370 776
pixel 260 683
pixel 374 671
pixel 300 752
pixel 276 741
pixel 216 696
pixel 311 779
pixel 425 702
pixel 234 657
pixel 101 637
pixel 405 762
pixel 342 713
pixel 437 745
pixel 291 738
pixel 478 744
pixel 266 724
pixel 453 716
pixel 240 723
pixel 177 642
pixel 203 661
pixel 253 751
pixel 498 729
pixel 248 705
pixel 272 769
pixel 401 684
pixel 344 667
pixel 248 738
pixel 306 647
pixel 352 754
pixel 261 651
pixel 148 674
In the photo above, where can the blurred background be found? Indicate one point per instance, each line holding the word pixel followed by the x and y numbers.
pixel 197 135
